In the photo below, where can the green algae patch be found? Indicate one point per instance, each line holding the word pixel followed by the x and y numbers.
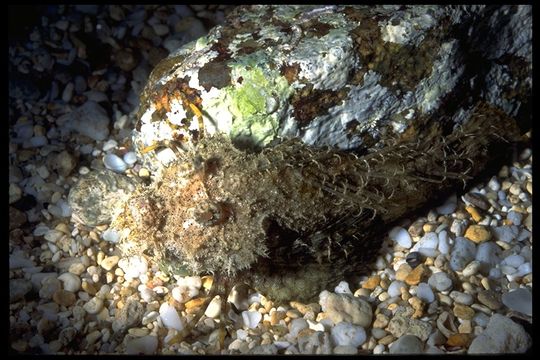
pixel 255 99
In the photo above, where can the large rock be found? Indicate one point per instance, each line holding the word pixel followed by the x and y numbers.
pixel 502 335
pixel 346 76
pixel 346 308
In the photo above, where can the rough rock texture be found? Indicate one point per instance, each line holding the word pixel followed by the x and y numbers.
pixel 346 76
pixel 346 308
pixel 502 335
pixel 97 195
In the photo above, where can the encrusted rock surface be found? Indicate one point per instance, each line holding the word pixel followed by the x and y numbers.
pixel 345 76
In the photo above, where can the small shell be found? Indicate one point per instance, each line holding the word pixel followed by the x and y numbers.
pixel 130 158
pixel 114 163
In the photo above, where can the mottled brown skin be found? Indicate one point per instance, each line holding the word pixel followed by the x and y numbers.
pixel 293 219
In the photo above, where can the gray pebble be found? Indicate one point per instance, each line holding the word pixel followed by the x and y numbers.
pixel 477 199
pixel 463 252
pixel 440 281
pixel 519 300
pixel 514 217
pixel 407 344
pixel 436 338
pixel 487 255
pixel 18 288
pixel 49 286
pixel 505 233
pixel 461 297
pixel 502 335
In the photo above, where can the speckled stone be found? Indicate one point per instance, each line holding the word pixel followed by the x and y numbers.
pixel 416 275
pixel 490 299
pixel 477 233
pixel 463 312
pixel 95 197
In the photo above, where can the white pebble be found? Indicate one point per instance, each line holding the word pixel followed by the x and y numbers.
pixel 252 318
pixel 71 282
pixel 401 237
pixel 130 158
pixel 150 317
pixel 190 281
pixel 343 288
pixel 114 163
pixel 241 334
pixel 471 269
pixel 146 293
pixel 296 326
pixel 378 349
pixel 424 293
pixel 111 235
pixel 133 267
pixel 183 293
pixel 346 334
pixel 109 145
pixel 214 308
pixel 170 318
pixel 494 184
pixel 166 156
pixel 315 326
pixel 145 345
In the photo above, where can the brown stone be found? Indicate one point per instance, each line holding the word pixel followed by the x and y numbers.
pixel 474 213
pixel 403 271
pixel 429 227
pixel 304 309
pixel 16 218
pixel 416 275
pixel 459 340
pixel 465 327
pixel 65 298
pixel 381 321
pixel 416 228
pixel 477 234
pixel 305 332
pixel 372 282
pixel 387 339
pixel 418 306
pixel 276 316
pixel 490 299
pixel 463 312
pixel 194 304
pixel 89 288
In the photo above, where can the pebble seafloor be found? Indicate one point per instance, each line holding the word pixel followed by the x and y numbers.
pixel 456 280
